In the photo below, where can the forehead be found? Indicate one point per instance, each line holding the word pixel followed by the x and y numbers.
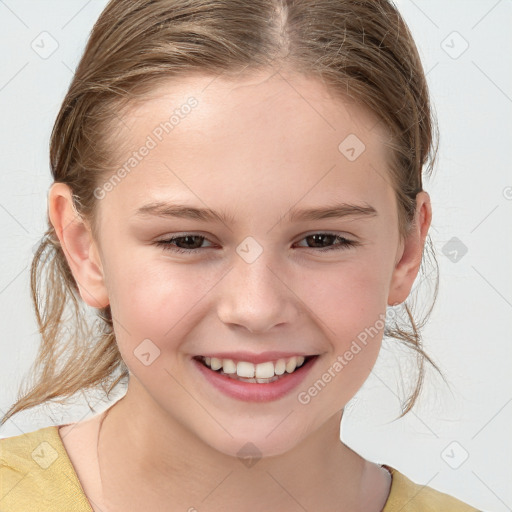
pixel 227 101
pixel 281 134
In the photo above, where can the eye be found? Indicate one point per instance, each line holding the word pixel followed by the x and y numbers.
pixel 186 239
pixel 330 238
pixel 191 243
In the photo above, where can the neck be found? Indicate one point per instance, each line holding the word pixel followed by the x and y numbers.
pixel 172 465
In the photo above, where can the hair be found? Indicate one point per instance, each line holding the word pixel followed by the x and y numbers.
pixel 361 50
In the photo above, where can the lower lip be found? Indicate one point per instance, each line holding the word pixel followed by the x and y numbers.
pixel 254 392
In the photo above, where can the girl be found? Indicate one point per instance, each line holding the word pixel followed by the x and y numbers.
pixel 238 193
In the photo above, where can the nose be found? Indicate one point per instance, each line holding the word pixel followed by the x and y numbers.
pixel 257 297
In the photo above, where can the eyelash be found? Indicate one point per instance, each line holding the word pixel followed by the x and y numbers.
pixel 344 243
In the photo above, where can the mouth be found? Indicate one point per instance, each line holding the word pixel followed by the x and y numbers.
pixel 246 381
pixel 265 372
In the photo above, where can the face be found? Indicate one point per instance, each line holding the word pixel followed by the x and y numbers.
pixel 259 275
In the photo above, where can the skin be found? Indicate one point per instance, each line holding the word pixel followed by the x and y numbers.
pixel 254 148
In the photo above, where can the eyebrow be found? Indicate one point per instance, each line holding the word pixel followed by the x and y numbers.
pixel 174 210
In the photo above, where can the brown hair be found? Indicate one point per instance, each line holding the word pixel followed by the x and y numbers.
pixel 360 49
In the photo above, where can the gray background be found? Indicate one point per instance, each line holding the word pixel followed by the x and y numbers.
pixel 455 440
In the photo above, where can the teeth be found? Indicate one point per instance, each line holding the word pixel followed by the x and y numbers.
pixel 215 363
pixel 249 370
pixel 228 366
pixel 280 367
pixel 244 369
pixel 291 364
pixel 265 370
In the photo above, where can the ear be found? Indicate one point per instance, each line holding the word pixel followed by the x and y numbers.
pixel 80 249
pixel 410 252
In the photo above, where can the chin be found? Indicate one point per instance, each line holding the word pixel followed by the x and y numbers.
pixel 249 437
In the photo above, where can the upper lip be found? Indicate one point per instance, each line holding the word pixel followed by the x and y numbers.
pixel 262 357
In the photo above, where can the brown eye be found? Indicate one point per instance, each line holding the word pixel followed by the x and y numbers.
pixel 182 244
pixel 326 242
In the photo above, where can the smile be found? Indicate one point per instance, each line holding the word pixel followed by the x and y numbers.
pixel 246 371
pixel 255 382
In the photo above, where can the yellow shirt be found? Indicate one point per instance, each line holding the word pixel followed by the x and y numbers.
pixel 36 475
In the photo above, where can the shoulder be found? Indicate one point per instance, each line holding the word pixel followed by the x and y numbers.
pixel 36 474
pixel 407 495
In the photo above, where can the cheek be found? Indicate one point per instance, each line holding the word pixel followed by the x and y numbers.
pixel 155 300
pixel 348 298
pixel 350 307
pixel 157 307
